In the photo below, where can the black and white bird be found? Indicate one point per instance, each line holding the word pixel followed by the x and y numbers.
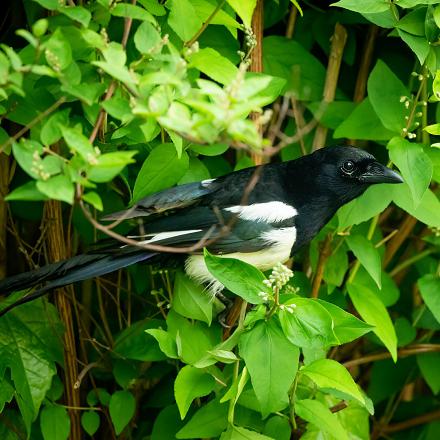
pixel 287 207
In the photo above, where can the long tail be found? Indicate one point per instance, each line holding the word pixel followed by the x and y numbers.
pixel 78 268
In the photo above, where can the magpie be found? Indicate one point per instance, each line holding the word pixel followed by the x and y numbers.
pixel 289 204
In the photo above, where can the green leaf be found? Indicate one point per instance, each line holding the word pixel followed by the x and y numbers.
pixel 346 326
pixel 93 199
pixel 122 407
pixel 57 188
pixel 372 202
pixel 196 172
pixel 147 38
pixel 55 423
pixel 28 191
pixel 209 150
pixel 307 324
pixel 90 421
pixel 329 374
pixel 265 365
pixel 277 427
pixel 428 364
pixel 428 209
pixel 77 13
pixel 30 337
pixel 166 342
pixel 166 424
pixel 316 413
pixel 413 22
pixel 405 332
pixel 78 143
pixel 374 313
pixel 363 124
pixel 385 90
pixel 27 153
pixel 161 169
pixel 132 11
pixel 205 8
pixel 433 129
pixel 214 65
pixel 50 131
pixel 137 342
pixel 368 256
pixel 114 64
pixel 58 51
pixel 49 4
pixel 110 165
pixel 191 300
pixel 193 339
pixel 190 383
pixel 209 421
pixel 286 58
pixel 429 286
pixel 237 276
pixel 244 10
pixel 239 433
pixel 183 19
pixel 365 6
pixel 414 164
pixel 419 45
pixel 119 108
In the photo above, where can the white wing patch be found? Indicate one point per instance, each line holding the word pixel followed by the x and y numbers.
pixel 164 235
pixel 270 212
pixel 279 244
pixel 205 183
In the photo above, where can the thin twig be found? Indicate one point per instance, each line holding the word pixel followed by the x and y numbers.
pixel 190 42
pixel 31 124
pixel 403 352
pixel 339 39
pixel 419 420
pixel 324 254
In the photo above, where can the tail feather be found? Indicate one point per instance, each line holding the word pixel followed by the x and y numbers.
pixel 78 268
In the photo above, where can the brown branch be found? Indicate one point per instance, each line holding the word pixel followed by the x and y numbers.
pixel 403 352
pixel 31 124
pixel 293 15
pixel 339 406
pixel 4 189
pixel 364 69
pixel 324 254
pixel 405 229
pixel 339 39
pixel 57 252
pixel 112 87
pixel 419 420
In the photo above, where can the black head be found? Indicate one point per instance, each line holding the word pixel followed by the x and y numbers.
pixel 347 171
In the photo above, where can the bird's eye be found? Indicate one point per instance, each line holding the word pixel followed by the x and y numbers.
pixel 348 167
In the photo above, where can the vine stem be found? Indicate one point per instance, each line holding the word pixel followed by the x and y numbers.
pixel 31 124
pixel 190 42
pixel 403 352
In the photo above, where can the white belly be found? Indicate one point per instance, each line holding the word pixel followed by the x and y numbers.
pixel 279 244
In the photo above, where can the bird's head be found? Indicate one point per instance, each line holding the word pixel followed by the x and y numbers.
pixel 348 171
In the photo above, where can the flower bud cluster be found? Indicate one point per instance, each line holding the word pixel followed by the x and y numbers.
pixel 279 277
pixel 37 167
pixel 288 307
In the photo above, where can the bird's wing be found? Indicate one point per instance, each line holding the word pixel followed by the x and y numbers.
pixel 178 197
pixel 253 227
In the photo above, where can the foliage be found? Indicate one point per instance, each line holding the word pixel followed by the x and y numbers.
pixel 105 102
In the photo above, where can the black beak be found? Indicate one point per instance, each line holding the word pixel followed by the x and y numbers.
pixel 378 173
